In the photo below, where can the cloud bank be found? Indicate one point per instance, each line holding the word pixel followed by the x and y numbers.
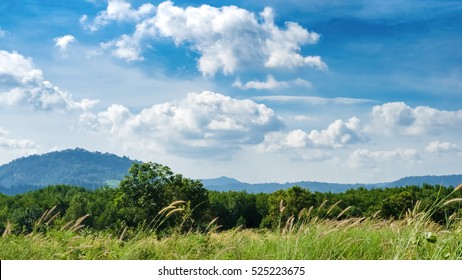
pixel 23 84
pixel 225 38
pixel 206 123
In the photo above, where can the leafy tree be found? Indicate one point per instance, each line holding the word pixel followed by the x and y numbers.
pixel 283 204
pixel 151 186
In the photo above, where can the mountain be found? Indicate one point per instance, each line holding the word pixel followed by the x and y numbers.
pixel 230 184
pixel 72 166
pixel 80 167
pixel 447 180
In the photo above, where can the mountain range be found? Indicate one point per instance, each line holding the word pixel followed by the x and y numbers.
pixel 80 167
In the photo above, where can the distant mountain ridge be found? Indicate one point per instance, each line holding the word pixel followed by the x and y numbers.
pixel 80 167
pixel 227 184
pixel 72 166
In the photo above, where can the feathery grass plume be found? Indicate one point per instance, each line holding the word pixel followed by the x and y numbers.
pixel 172 205
pixel 174 211
pixel 281 206
pixel 343 212
pixel 459 187
pixel 165 209
pixel 177 202
pixel 8 228
pixel 322 205
pixel 358 221
pixel 78 223
pixel 45 216
pixel 302 213
pixel 332 207
pixel 65 227
pixel 209 228
pixel 289 225
pixel 458 199
pixel 122 235
pixel 376 214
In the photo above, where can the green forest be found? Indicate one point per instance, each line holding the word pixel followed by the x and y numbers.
pixel 155 203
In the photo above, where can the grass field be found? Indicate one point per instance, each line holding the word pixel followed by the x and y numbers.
pixel 413 237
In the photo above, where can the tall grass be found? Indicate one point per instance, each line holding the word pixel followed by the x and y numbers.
pixel 306 236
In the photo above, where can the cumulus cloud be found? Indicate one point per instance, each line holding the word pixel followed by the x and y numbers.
pixel 336 135
pixel 398 117
pixel 63 42
pixel 367 158
pixel 118 11
pixel 225 38
pixel 24 145
pixel 270 83
pixel 311 100
pixel 204 122
pixel 24 84
pixel 442 147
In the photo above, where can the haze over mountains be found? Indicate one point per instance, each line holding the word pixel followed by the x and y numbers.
pixel 94 169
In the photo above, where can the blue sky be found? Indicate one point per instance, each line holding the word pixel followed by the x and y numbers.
pixel 337 91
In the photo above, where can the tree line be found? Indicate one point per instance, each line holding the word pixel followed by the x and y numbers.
pixel 144 199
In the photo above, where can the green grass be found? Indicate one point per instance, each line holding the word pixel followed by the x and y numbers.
pixel 351 239
pixel 414 237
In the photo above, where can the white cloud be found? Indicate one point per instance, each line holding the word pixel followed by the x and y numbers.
pixel 14 68
pixel 336 135
pixel 23 145
pixel 270 83
pixel 311 100
pixel 24 84
pixel 401 118
pixel 63 42
pixel 207 122
pixel 302 118
pixel 366 158
pixel 442 147
pixel 226 38
pixel 118 11
pixel 125 48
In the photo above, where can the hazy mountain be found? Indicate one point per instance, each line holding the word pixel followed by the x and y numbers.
pixel 94 169
pixel 73 166
pixel 447 180
pixel 227 184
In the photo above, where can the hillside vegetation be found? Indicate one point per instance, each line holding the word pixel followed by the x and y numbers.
pixel 73 167
pixel 154 211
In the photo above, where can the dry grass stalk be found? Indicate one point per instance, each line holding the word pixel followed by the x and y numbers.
pixel 122 235
pixel 343 212
pixel 376 214
pixel 166 209
pixel 78 223
pixel 45 215
pixel 289 225
pixel 65 227
pixel 209 227
pixel 8 228
pixel 358 221
pixel 332 207
pixel 177 202
pixel 174 211
pixel 459 199
pixel 322 205
pixel 281 205
pixel 459 187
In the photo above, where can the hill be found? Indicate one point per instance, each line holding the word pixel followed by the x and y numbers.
pixel 72 166
pixel 80 167
pixel 230 184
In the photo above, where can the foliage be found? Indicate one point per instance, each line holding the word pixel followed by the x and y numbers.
pixel 151 186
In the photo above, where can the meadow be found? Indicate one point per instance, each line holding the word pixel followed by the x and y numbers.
pixel 413 237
